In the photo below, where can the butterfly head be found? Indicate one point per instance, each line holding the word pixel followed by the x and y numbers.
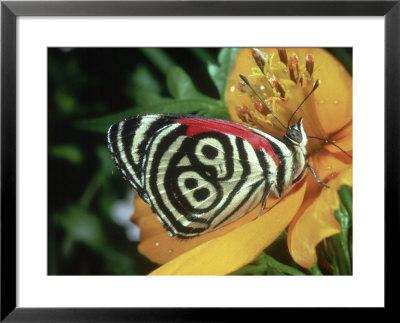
pixel 296 134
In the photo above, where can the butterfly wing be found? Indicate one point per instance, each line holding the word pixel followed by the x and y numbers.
pixel 197 174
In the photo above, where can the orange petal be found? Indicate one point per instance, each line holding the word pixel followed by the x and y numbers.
pixel 157 245
pixel 343 138
pixel 231 251
pixel 334 97
pixel 316 222
pixel 328 165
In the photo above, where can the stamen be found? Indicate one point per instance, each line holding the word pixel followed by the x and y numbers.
pixel 283 55
pixel 309 64
pixel 259 97
pixel 241 86
pixel 294 64
pixel 276 85
pixel 242 112
pixel 261 108
pixel 260 57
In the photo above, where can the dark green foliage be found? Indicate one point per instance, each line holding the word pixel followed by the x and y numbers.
pixel 88 90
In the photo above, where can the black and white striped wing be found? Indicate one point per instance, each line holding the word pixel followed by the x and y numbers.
pixel 195 177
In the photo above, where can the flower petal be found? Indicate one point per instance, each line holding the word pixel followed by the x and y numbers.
pixel 334 97
pixel 343 138
pixel 316 222
pixel 233 250
pixel 157 245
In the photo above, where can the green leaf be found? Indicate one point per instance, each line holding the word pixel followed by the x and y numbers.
pixel 189 100
pixel 181 86
pixel 257 267
pixel 187 106
pixel 202 54
pixel 145 97
pixel 142 77
pixel 265 264
pixel 116 262
pixel 106 162
pixel 218 112
pixel 144 87
pixel 81 226
pixel 340 241
pixel 101 124
pixel 280 267
pixel 159 58
pixel 66 103
pixel 220 73
pixel 346 199
pixel 70 153
pixel 205 106
pixel 315 271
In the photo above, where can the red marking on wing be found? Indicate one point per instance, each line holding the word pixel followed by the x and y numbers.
pixel 197 126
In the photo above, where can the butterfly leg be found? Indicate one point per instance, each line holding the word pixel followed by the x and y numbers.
pixel 264 199
pixel 316 176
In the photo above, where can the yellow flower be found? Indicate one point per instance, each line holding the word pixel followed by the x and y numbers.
pixel 283 78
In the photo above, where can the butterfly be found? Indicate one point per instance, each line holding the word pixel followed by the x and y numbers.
pixel 199 174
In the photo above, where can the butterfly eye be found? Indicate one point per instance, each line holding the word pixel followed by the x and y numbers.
pixel 294 135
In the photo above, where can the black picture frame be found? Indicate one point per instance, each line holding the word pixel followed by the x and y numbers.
pixel 11 10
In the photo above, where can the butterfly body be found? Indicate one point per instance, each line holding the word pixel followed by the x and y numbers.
pixel 199 174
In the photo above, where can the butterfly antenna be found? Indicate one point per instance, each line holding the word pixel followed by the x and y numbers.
pixel 259 97
pixel 316 84
pixel 332 143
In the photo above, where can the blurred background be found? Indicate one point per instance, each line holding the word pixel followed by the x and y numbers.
pixel 89 203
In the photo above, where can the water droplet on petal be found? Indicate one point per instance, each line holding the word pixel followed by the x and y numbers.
pixel 170 251
pixel 156 243
pixel 322 101
pixel 336 102
pixel 233 88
